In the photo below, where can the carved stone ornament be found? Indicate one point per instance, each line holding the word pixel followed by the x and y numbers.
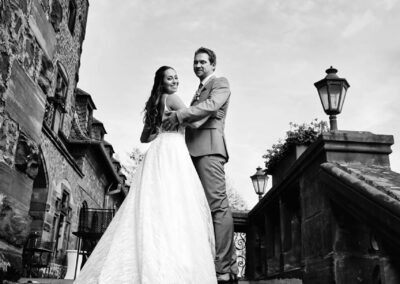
pixel 27 156
pixel 14 226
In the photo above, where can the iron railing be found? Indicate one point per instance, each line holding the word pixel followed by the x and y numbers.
pixel 94 221
pixel 240 223
pixel 36 256
pixel 240 245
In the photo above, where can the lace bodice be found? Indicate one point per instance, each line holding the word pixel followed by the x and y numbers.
pixel 180 130
pixel 160 129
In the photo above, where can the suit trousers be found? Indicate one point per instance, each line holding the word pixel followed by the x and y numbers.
pixel 211 171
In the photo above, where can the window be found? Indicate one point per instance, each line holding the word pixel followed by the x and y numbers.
pixel 55 229
pixel 60 231
pixel 56 14
pixel 88 119
pixel 83 216
pixel 71 16
pixel 65 201
pixel 55 107
pixel 62 82
pixel 61 223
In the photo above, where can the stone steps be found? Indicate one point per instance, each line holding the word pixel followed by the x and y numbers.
pixel 273 281
pixel 64 281
pixel 44 281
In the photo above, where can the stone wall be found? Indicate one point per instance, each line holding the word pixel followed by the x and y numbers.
pixel 42 183
pixel 332 217
pixel 35 40
pixel 90 187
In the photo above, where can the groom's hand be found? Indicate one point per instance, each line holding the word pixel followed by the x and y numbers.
pixel 171 121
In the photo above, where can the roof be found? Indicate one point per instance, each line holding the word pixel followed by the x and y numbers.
pixel 382 179
pixel 97 122
pixel 76 131
pixel 99 147
pixel 109 146
pixel 370 193
pixel 81 94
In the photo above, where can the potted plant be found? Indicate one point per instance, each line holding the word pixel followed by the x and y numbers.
pixel 285 152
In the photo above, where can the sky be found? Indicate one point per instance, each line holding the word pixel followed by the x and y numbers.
pixel 272 52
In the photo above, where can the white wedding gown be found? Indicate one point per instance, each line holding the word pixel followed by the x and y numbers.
pixel 163 231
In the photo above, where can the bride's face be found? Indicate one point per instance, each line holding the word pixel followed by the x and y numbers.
pixel 170 81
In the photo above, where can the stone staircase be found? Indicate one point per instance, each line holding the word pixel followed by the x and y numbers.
pixel 273 281
pixel 64 281
pixel 44 281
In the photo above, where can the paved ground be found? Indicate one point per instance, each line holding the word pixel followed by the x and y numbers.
pixel 45 281
pixel 62 281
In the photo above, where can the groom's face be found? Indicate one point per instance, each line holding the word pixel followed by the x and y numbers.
pixel 202 66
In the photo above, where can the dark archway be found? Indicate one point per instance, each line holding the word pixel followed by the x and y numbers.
pixel 39 197
pixel 37 252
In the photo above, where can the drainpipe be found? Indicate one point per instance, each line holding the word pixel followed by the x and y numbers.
pixel 105 193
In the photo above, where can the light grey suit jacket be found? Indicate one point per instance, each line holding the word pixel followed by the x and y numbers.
pixel 209 137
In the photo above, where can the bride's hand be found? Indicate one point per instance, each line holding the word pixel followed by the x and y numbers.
pixel 219 114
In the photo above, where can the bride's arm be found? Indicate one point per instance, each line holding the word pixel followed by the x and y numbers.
pixel 147 136
pixel 175 103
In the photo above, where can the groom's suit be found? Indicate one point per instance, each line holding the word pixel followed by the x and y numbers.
pixel 207 146
pixel 208 138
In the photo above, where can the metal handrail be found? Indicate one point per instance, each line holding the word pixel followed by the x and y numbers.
pixel 94 221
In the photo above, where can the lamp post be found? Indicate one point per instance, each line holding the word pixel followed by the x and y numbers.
pixel 259 180
pixel 332 92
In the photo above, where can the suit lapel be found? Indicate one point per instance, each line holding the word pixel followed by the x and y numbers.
pixel 203 93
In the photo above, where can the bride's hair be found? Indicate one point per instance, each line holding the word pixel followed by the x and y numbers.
pixel 152 111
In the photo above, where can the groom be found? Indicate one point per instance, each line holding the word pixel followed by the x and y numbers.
pixel 207 147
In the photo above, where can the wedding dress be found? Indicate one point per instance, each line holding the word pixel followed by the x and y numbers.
pixel 163 231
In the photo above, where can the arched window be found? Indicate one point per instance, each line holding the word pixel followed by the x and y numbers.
pixel 83 218
pixel 62 221
pixel 56 105
pixel 84 205
pixel 71 16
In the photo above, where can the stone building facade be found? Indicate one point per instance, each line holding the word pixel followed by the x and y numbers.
pixel 53 157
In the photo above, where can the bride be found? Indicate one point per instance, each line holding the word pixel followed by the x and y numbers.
pixel 163 231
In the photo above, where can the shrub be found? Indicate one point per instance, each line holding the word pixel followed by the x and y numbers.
pixel 299 134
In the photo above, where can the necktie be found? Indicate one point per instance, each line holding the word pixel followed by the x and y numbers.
pixel 198 92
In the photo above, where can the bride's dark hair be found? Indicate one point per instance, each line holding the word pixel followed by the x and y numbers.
pixel 152 111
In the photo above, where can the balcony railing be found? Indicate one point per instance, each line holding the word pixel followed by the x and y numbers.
pixel 36 256
pixel 240 223
pixel 94 222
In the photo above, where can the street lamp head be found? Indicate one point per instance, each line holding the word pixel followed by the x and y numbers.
pixel 259 179
pixel 332 92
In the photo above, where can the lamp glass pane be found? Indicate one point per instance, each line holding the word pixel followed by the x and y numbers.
pixel 344 91
pixel 264 183
pixel 323 95
pixel 255 184
pixel 334 94
pixel 260 184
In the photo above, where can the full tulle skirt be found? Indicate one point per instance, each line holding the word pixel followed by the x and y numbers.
pixel 163 231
